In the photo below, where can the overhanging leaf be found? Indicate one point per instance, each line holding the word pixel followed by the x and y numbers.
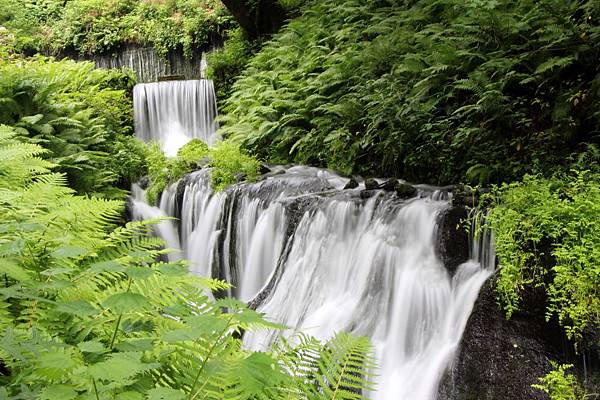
pixel 126 302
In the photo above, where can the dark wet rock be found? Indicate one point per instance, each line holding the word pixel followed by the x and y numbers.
pixel 273 173
pixel 240 177
pixel 127 214
pixel 404 190
pixel 367 194
pixel 500 359
pixel 465 196
pixel 264 169
pixel 452 242
pixel 166 78
pixel 371 184
pixel 144 182
pixel 389 185
pixel 203 162
pixel 352 184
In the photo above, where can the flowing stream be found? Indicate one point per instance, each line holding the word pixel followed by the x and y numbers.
pixel 321 259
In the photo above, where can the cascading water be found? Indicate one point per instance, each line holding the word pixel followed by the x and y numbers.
pixel 322 259
pixel 174 112
pixel 318 258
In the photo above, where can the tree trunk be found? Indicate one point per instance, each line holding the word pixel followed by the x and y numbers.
pixel 264 17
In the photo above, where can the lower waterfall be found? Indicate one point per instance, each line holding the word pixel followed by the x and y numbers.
pixel 320 259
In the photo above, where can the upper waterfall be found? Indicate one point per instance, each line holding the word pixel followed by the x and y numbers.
pixel 174 112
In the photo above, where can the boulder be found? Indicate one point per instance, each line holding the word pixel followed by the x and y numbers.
pixel 352 184
pixel 499 359
pixel 452 242
pixel 144 182
pixel 389 185
pixel 371 184
pixel 404 190
pixel 264 169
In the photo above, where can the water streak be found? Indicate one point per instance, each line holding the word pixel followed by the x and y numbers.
pixel 325 260
pixel 174 112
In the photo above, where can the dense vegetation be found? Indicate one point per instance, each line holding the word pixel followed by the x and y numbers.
pixel 82 116
pixel 99 26
pixel 439 91
pixel 86 311
pixel 548 235
pixel 435 91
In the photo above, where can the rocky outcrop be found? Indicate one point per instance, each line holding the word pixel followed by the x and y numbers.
pixel 500 359
pixel 452 237
pixel 148 65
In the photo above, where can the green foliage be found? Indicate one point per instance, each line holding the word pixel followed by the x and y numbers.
pixel 228 163
pixel 426 90
pixel 548 234
pixel 86 311
pixel 193 150
pixel 99 26
pixel 559 384
pixel 163 170
pixel 80 114
pixel 336 370
pixel 227 63
pixel 158 172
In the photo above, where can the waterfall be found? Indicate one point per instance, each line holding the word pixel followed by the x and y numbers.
pixel 174 112
pixel 314 256
pixel 142 211
pixel 320 259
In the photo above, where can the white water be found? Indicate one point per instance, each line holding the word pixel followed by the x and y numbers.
pixel 142 211
pixel 174 112
pixel 364 266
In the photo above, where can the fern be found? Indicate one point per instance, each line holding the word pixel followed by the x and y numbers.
pixel 87 311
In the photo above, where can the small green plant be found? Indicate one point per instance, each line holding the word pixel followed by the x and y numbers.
pixel 548 235
pixel 228 164
pixel 560 384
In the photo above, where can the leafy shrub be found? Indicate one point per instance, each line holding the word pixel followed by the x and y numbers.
pixel 98 26
pixel 73 110
pixel 432 91
pixel 548 234
pixel 158 172
pixel 86 311
pixel 559 384
pixel 228 165
pixel 227 63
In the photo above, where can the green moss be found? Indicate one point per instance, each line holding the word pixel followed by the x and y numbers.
pixel 227 162
pixel 230 164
